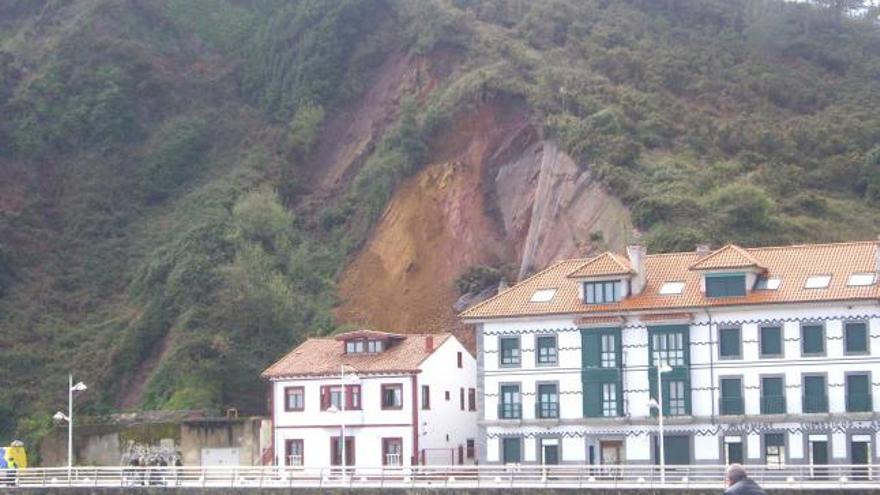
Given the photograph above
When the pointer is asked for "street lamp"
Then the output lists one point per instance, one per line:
(663, 368)
(341, 409)
(60, 416)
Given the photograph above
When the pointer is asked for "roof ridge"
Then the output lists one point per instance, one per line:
(500, 293)
(805, 245)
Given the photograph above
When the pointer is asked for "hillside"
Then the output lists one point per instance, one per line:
(190, 187)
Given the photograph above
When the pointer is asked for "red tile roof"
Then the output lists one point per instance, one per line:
(324, 356)
(791, 264)
(606, 264)
(366, 333)
(728, 257)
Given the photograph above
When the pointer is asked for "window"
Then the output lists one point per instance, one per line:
(511, 402)
(731, 396)
(447, 396)
(771, 341)
(331, 396)
(608, 356)
(765, 283)
(548, 401)
(352, 397)
(426, 397)
(510, 450)
(861, 279)
(336, 451)
(774, 450)
(815, 395)
(856, 337)
(609, 400)
(354, 346)
(374, 346)
(817, 282)
(471, 448)
(294, 399)
(472, 399)
(676, 403)
(772, 395)
(858, 393)
(392, 396)
(459, 360)
(671, 288)
(812, 340)
(726, 285)
(543, 295)
(601, 292)
(546, 346)
(730, 343)
(293, 452)
(510, 355)
(392, 451)
(668, 348)
(461, 398)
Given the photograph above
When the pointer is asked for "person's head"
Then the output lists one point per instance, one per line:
(735, 473)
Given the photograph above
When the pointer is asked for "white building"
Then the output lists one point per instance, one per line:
(409, 399)
(774, 357)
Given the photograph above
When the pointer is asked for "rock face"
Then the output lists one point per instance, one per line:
(495, 194)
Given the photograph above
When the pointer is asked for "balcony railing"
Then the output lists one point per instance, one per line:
(392, 459)
(731, 405)
(294, 460)
(815, 403)
(547, 410)
(772, 404)
(642, 478)
(510, 410)
(859, 403)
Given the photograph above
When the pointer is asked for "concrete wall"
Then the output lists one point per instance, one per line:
(107, 444)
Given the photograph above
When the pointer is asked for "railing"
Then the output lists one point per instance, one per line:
(731, 405)
(858, 403)
(393, 460)
(772, 404)
(510, 410)
(547, 410)
(679, 478)
(815, 403)
(294, 460)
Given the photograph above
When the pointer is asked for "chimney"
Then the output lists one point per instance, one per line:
(637, 254)
(703, 250)
(429, 343)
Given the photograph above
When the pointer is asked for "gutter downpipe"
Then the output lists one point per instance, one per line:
(711, 363)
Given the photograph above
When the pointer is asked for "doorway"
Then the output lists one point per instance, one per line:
(610, 456)
(818, 456)
(860, 453)
(549, 451)
(733, 450)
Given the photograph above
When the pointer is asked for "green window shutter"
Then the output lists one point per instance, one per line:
(858, 393)
(772, 395)
(591, 347)
(731, 396)
(725, 285)
(677, 449)
(814, 398)
(812, 339)
(856, 337)
(730, 342)
(592, 399)
(771, 341)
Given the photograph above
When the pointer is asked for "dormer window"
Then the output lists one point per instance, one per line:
(604, 292)
(726, 285)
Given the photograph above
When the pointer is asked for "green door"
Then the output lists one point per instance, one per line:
(815, 400)
(819, 457)
(772, 395)
(860, 453)
(677, 449)
(731, 396)
(734, 452)
(511, 450)
(858, 393)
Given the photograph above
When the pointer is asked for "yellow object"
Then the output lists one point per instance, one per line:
(16, 455)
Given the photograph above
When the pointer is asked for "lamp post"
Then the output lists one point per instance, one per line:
(60, 416)
(662, 368)
(341, 409)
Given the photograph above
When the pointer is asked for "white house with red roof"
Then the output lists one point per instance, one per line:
(769, 356)
(408, 399)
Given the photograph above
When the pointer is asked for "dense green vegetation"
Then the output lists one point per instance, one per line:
(162, 150)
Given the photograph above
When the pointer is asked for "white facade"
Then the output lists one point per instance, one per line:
(704, 432)
(436, 431)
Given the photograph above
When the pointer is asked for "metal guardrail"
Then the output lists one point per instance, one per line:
(830, 477)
